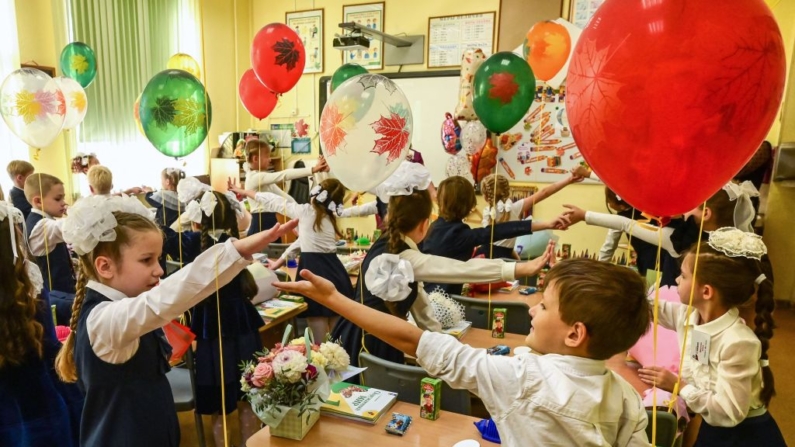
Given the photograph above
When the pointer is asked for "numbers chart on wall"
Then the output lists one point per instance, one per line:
(450, 36)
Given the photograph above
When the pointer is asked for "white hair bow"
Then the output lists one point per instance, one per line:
(315, 190)
(208, 203)
(735, 243)
(235, 204)
(334, 208)
(744, 209)
(322, 196)
(194, 212)
(190, 189)
(16, 216)
(91, 220)
(504, 207)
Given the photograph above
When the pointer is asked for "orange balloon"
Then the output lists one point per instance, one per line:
(137, 116)
(546, 48)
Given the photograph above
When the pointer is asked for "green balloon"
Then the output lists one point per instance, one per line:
(79, 63)
(503, 90)
(175, 112)
(344, 73)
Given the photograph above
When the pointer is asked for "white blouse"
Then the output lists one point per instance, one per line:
(727, 388)
(263, 181)
(46, 227)
(514, 214)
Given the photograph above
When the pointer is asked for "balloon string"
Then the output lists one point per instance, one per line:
(675, 394)
(44, 229)
(217, 285)
(655, 314)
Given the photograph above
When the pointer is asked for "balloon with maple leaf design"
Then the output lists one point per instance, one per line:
(33, 106)
(278, 57)
(256, 98)
(503, 90)
(667, 102)
(365, 130)
(175, 112)
(75, 100)
(79, 63)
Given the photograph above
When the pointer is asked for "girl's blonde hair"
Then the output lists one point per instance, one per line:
(127, 225)
(496, 188)
(173, 175)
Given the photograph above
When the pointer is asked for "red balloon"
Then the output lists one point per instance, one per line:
(278, 57)
(667, 100)
(256, 98)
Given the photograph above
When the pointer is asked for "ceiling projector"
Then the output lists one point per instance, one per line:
(351, 43)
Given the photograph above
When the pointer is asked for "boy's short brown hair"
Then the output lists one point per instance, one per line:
(608, 299)
(456, 198)
(40, 185)
(19, 167)
(100, 178)
(257, 147)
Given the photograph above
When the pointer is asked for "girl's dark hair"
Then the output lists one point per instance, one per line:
(734, 278)
(612, 198)
(722, 209)
(456, 198)
(224, 218)
(336, 194)
(405, 213)
(20, 333)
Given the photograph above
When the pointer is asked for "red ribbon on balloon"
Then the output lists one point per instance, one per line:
(668, 100)
(278, 57)
(256, 98)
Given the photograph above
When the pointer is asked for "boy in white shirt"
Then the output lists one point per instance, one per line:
(565, 396)
(100, 180)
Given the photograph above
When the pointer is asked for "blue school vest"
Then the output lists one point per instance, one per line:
(60, 263)
(129, 404)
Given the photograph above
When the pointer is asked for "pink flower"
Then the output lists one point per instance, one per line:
(297, 348)
(263, 373)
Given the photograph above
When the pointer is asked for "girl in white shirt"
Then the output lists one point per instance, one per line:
(117, 351)
(497, 192)
(726, 376)
(318, 242)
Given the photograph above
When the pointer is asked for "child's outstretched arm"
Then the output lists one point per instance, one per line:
(527, 203)
(393, 330)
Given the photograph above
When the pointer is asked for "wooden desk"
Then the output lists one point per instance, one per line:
(351, 247)
(272, 332)
(332, 431)
(481, 338)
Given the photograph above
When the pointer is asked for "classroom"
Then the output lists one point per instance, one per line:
(489, 183)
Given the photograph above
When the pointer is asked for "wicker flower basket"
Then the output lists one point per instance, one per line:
(293, 426)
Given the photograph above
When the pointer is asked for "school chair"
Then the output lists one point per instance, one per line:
(183, 386)
(405, 381)
(171, 267)
(666, 428)
(274, 251)
(282, 275)
(476, 310)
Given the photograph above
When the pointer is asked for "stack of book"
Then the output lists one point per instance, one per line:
(459, 329)
(357, 402)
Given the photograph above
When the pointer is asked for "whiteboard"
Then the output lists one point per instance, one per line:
(431, 95)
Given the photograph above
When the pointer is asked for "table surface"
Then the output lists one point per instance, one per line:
(449, 429)
(481, 338)
(289, 314)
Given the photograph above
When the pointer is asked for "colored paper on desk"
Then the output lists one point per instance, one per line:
(459, 329)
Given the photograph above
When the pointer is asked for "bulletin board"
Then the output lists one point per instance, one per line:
(450, 36)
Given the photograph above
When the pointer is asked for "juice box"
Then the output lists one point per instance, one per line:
(430, 395)
(498, 315)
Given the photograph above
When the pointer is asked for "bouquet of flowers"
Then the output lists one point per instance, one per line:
(292, 375)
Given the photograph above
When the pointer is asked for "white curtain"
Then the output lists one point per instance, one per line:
(132, 41)
(11, 147)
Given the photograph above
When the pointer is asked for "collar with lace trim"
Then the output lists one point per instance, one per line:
(106, 291)
(717, 325)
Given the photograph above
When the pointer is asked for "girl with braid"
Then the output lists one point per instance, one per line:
(117, 351)
(726, 376)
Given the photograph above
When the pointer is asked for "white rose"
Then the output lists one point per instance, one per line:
(289, 365)
(338, 359)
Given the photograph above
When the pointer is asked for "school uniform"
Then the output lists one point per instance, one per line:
(723, 383)
(318, 248)
(19, 201)
(261, 181)
(541, 400)
(36, 407)
(456, 240)
(167, 206)
(180, 247)
(240, 338)
(503, 248)
(122, 354)
(425, 267)
(56, 266)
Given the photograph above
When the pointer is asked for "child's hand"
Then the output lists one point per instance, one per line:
(231, 183)
(581, 171)
(531, 268)
(659, 377)
(574, 214)
(315, 287)
(277, 264)
(575, 178)
(321, 166)
(561, 222)
(258, 242)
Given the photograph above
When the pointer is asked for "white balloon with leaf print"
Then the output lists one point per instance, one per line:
(76, 101)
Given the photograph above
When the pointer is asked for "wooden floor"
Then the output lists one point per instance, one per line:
(782, 407)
